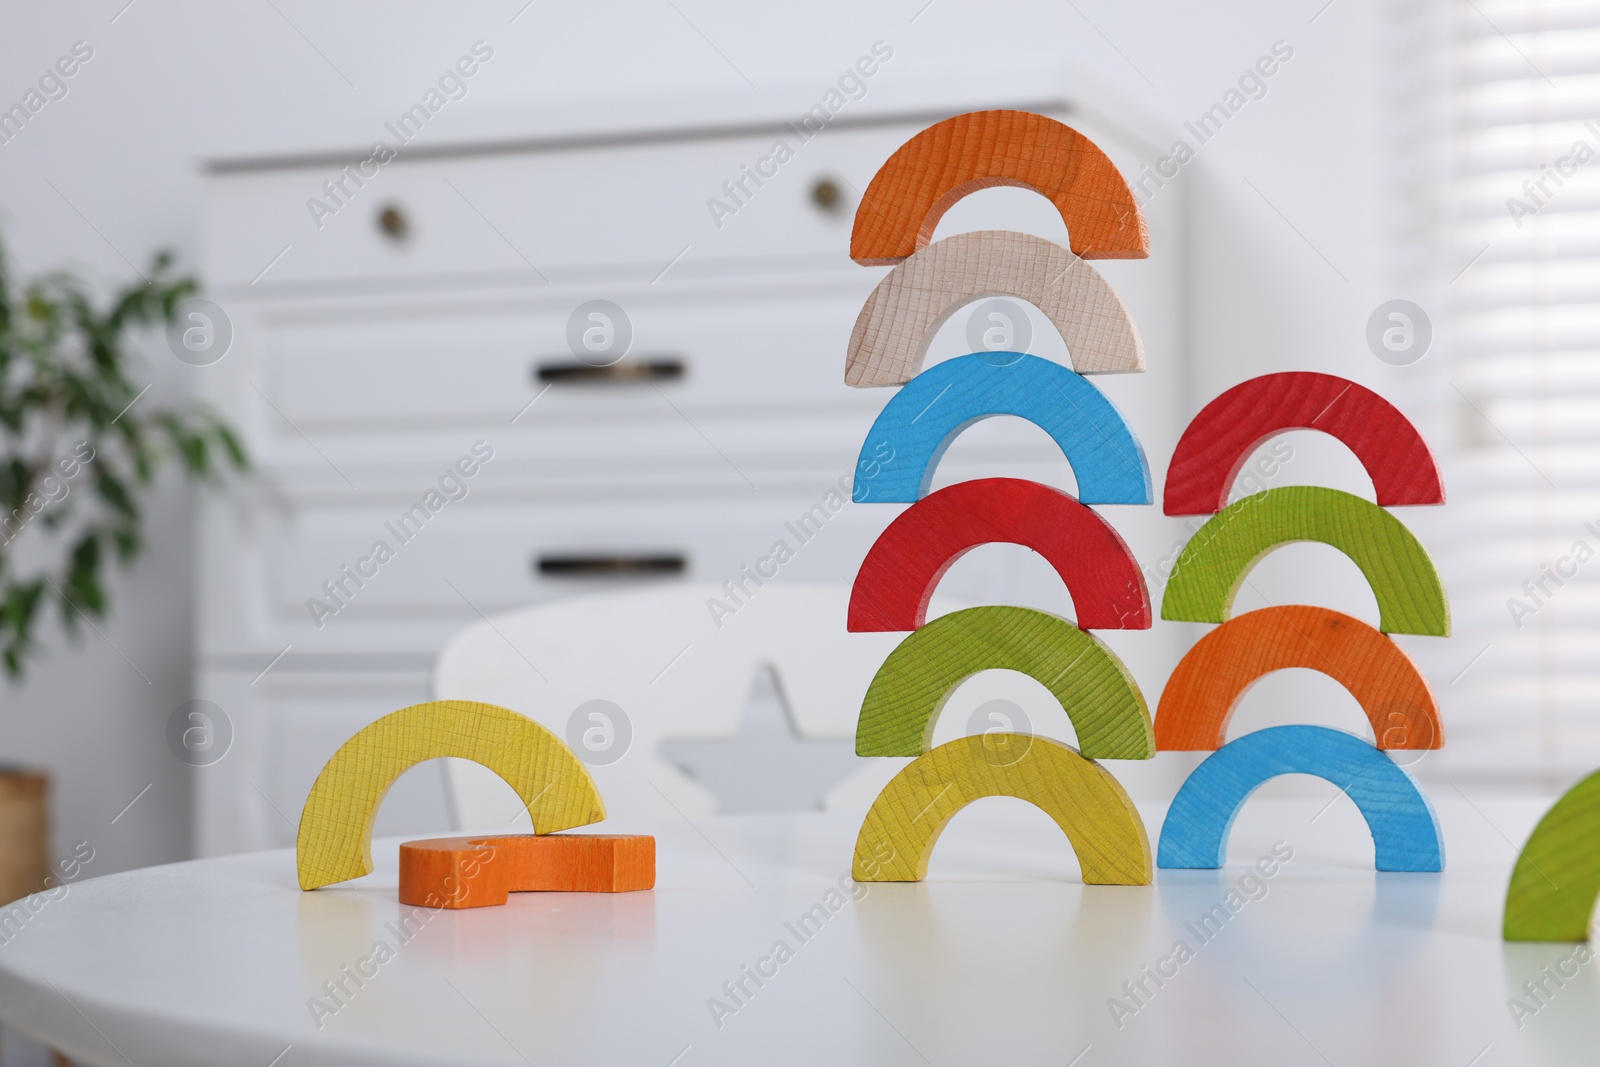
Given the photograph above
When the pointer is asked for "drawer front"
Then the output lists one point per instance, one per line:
(636, 211)
(379, 575)
(349, 392)
(469, 361)
(496, 549)
(628, 209)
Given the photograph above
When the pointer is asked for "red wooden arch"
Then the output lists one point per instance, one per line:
(1216, 444)
(897, 578)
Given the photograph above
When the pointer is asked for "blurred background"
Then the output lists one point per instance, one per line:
(379, 313)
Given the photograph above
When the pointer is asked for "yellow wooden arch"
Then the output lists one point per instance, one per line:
(1089, 805)
(335, 840)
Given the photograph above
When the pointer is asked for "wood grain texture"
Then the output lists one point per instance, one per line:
(1220, 439)
(1218, 558)
(476, 872)
(900, 318)
(1101, 698)
(24, 833)
(335, 839)
(912, 432)
(1405, 833)
(1090, 806)
(981, 149)
(1557, 875)
(1214, 675)
(905, 563)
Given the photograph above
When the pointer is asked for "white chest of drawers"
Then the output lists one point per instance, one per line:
(364, 366)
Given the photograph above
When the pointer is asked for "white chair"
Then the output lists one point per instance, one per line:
(676, 671)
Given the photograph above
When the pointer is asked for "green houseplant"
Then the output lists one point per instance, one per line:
(78, 445)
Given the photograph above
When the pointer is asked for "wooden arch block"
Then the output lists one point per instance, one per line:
(1557, 876)
(1405, 833)
(916, 186)
(1090, 806)
(905, 563)
(1214, 675)
(1219, 439)
(900, 318)
(1101, 698)
(335, 839)
(1219, 556)
(476, 872)
(911, 433)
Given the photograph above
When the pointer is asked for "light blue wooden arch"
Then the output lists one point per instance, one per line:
(910, 435)
(1405, 832)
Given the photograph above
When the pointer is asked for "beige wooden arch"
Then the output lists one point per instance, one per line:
(899, 319)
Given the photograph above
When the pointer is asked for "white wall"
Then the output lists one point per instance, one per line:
(172, 80)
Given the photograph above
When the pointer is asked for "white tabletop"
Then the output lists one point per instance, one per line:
(1000, 957)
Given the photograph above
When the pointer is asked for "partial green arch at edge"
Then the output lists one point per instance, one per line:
(1556, 880)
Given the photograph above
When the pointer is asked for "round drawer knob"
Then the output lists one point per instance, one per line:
(393, 223)
(827, 196)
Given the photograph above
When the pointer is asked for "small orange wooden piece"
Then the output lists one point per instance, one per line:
(926, 175)
(476, 872)
(1214, 675)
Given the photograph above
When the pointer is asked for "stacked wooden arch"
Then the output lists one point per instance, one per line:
(1213, 676)
(930, 282)
(894, 225)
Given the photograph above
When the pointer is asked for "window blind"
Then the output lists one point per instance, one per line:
(1515, 154)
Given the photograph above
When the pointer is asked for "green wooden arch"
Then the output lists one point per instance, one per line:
(1557, 877)
(1101, 698)
(1217, 559)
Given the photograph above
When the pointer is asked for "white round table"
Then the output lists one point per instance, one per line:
(755, 948)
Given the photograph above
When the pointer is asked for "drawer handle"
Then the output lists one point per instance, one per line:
(621, 565)
(666, 369)
(827, 196)
(393, 223)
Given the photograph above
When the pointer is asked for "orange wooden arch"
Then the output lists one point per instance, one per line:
(1210, 680)
(981, 149)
